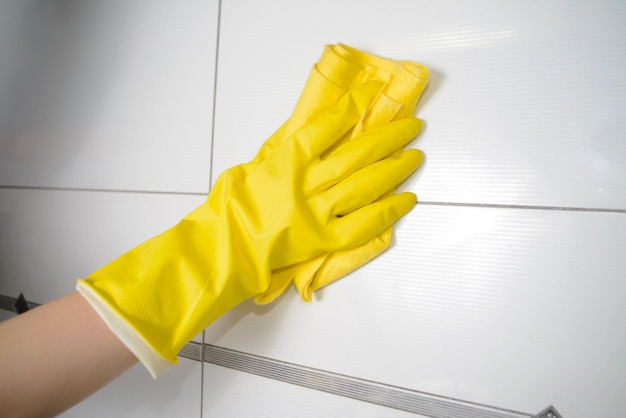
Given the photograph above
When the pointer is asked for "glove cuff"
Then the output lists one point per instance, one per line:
(151, 359)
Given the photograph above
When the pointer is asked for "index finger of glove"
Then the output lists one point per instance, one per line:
(371, 182)
(334, 122)
(360, 152)
(364, 224)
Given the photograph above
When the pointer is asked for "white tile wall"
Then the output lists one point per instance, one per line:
(503, 306)
(508, 306)
(107, 95)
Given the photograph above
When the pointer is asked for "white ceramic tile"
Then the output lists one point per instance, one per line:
(136, 395)
(113, 95)
(48, 239)
(525, 104)
(228, 393)
(510, 308)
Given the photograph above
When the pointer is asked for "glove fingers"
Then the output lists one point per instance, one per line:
(371, 182)
(365, 223)
(333, 123)
(360, 152)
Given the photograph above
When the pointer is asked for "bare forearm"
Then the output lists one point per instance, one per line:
(56, 355)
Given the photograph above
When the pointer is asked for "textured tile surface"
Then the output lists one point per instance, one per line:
(510, 308)
(524, 105)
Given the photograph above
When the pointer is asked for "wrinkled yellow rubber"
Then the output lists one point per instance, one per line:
(341, 68)
(298, 202)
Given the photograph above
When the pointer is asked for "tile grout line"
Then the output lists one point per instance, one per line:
(95, 190)
(522, 207)
(215, 76)
(211, 148)
(419, 202)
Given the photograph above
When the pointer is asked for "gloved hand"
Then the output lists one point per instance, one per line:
(295, 204)
(341, 68)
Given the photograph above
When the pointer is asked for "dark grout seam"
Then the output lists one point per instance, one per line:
(211, 153)
(419, 202)
(528, 207)
(95, 190)
(216, 69)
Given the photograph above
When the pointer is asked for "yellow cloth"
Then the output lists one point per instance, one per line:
(341, 68)
(298, 202)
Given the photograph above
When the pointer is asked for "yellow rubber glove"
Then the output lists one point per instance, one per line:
(340, 69)
(298, 203)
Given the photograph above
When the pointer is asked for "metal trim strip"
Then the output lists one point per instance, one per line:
(382, 394)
